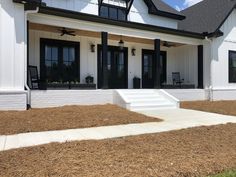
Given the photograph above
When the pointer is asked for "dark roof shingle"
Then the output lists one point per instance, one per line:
(206, 16)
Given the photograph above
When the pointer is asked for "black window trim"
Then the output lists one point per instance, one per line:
(229, 66)
(60, 43)
(115, 7)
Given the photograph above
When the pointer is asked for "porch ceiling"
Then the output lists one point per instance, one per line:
(78, 32)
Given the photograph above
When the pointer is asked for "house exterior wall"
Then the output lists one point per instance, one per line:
(13, 50)
(138, 12)
(12, 56)
(12, 42)
(207, 53)
(181, 59)
(55, 98)
(222, 89)
(189, 94)
(13, 100)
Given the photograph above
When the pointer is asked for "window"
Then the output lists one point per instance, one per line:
(113, 12)
(59, 61)
(232, 66)
(104, 11)
(51, 62)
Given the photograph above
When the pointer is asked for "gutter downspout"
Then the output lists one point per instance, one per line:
(211, 66)
(25, 51)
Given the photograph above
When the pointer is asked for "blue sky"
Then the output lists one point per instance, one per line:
(181, 4)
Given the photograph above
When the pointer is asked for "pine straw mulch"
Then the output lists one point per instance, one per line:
(67, 117)
(220, 107)
(191, 152)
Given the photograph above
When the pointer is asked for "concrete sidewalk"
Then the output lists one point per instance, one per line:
(174, 119)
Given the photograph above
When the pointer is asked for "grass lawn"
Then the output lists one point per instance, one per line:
(226, 174)
(195, 152)
(68, 117)
(221, 107)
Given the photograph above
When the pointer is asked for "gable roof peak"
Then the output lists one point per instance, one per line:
(206, 16)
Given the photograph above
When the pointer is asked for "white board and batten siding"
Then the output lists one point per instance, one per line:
(183, 59)
(222, 89)
(12, 55)
(138, 12)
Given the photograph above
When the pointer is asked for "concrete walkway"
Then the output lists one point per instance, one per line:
(174, 119)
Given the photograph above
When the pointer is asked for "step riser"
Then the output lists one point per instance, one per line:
(153, 108)
(143, 96)
(150, 106)
(145, 99)
(150, 102)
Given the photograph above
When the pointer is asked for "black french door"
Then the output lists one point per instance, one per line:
(117, 66)
(148, 68)
(59, 62)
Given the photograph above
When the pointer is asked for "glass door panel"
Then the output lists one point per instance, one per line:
(147, 71)
(52, 63)
(117, 67)
(148, 68)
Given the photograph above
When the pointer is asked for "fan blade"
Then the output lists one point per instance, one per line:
(71, 31)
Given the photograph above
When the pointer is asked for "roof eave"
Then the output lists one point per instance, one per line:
(128, 24)
(30, 2)
(215, 34)
(167, 14)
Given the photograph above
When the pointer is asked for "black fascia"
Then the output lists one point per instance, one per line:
(128, 24)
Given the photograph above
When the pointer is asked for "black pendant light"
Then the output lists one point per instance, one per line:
(121, 43)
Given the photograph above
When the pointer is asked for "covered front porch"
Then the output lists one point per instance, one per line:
(92, 56)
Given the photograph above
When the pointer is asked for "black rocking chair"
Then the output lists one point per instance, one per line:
(33, 77)
(176, 79)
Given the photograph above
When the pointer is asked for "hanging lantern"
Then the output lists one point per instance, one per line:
(121, 43)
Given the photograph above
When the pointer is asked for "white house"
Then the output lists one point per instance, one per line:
(63, 52)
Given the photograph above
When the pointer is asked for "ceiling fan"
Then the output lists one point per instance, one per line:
(168, 44)
(65, 31)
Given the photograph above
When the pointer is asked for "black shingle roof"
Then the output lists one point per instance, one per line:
(206, 16)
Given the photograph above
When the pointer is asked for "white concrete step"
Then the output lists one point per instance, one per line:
(145, 99)
(152, 107)
(143, 96)
(138, 90)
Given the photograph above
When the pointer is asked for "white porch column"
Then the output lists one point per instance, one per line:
(12, 55)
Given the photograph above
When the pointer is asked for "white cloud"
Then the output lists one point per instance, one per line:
(188, 3)
(178, 8)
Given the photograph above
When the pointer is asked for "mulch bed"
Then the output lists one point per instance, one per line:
(68, 117)
(220, 107)
(192, 152)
